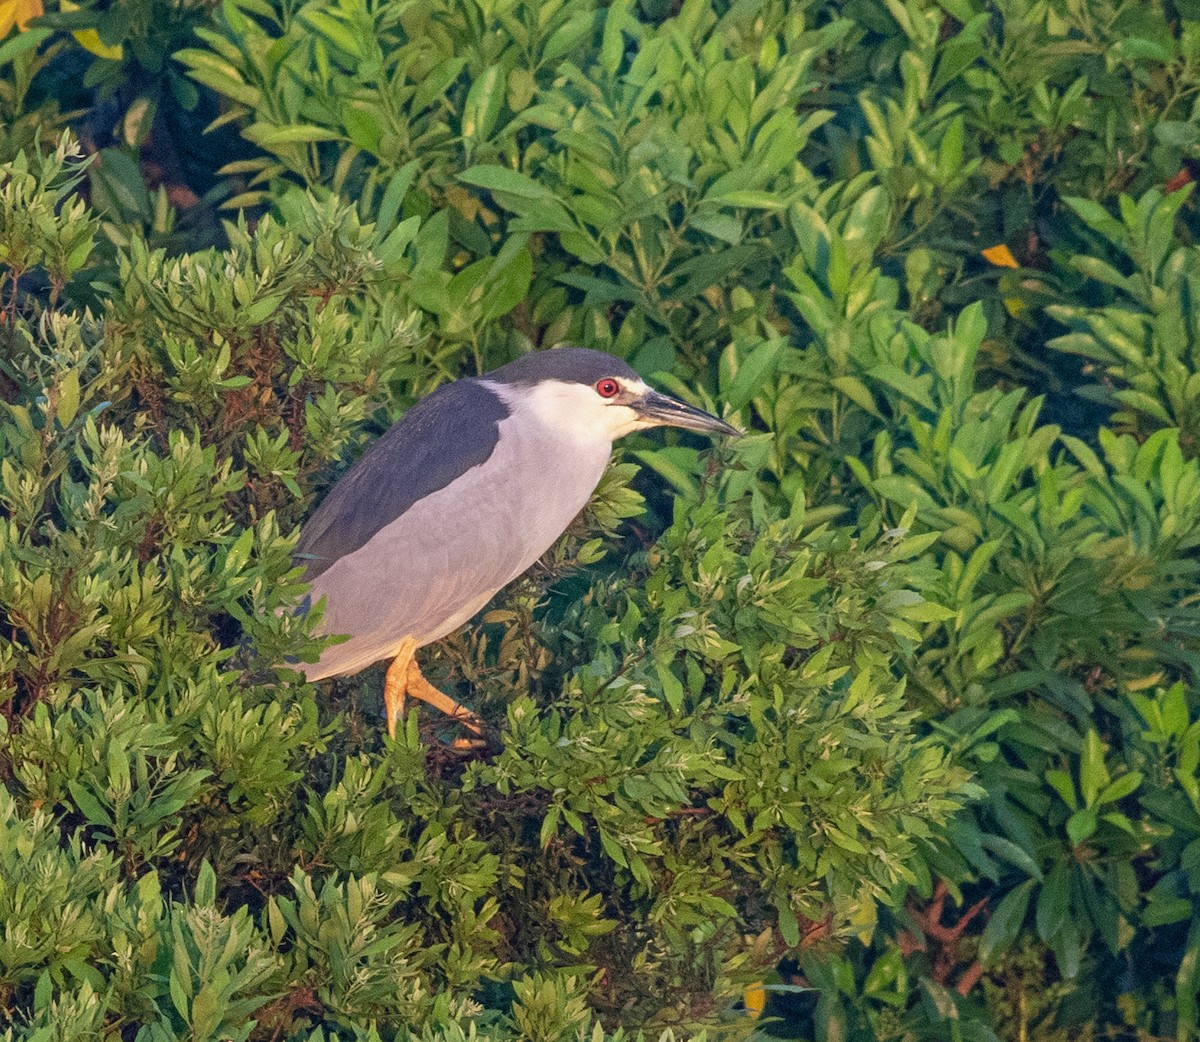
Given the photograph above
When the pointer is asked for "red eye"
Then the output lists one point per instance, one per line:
(607, 388)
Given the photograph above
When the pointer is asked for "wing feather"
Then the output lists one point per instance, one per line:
(438, 440)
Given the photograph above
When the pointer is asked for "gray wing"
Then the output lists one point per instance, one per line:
(439, 439)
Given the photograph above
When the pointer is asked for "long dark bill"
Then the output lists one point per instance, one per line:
(666, 411)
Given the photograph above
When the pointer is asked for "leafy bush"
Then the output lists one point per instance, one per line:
(889, 705)
(151, 459)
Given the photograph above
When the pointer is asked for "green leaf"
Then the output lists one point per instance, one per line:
(752, 373)
(362, 128)
(139, 120)
(1067, 946)
(1060, 782)
(1167, 911)
(1054, 902)
(844, 840)
(506, 287)
(789, 925)
(1175, 715)
(1119, 789)
(392, 248)
(1176, 133)
(568, 36)
(502, 179)
(29, 40)
(485, 99)
(549, 826)
(332, 29)
(1081, 825)
(88, 805)
(672, 688)
(723, 226)
(676, 464)
(927, 611)
(206, 885)
(43, 992)
(747, 199)
(1135, 47)
(612, 848)
(68, 398)
(612, 47)
(1013, 854)
(857, 392)
(1093, 774)
(950, 151)
(1006, 922)
(263, 309)
(913, 388)
(296, 133)
(394, 194)
(1187, 985)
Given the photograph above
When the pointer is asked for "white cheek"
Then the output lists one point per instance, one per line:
(575, 411)
(626, 421)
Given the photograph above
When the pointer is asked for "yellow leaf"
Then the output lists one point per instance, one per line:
(864, 918)
(754, 998)
(19, 13)
(90, 40)
(999, 256)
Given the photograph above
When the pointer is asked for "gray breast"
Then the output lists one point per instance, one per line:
(427, 571)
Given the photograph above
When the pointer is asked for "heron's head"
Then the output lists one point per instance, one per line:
(594, 395)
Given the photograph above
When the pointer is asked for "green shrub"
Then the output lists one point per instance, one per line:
(740, 701)
(732, 716)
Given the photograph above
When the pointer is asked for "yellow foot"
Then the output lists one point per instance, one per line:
(404, 680)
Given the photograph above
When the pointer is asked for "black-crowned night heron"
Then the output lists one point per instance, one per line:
(460, 497)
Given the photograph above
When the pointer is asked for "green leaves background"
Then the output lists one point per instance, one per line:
(889, 704)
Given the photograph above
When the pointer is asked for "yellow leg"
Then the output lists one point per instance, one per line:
(404, 680)
(395, 686)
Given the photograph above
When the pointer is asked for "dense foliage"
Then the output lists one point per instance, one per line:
(891, 704)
